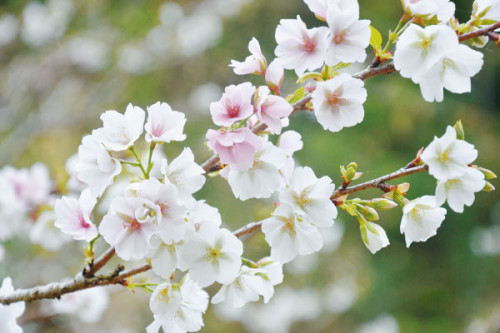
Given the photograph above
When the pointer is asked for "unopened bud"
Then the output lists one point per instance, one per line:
(488, 187)
(488, 174)
(460, 130)
(368, 212)
(381, 203)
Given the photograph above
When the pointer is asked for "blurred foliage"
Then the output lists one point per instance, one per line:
(437, 286)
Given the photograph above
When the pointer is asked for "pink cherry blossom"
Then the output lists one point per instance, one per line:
(274, 76)
(271, 109)
(73, 216)
(300, 48)
(235, 104)
(164, 125)
(255, 63)
(237, 147)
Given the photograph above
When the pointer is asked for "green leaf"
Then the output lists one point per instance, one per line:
(375, 39)
(297, 95)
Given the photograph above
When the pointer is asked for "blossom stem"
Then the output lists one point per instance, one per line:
(96, 265)
(139, 164)
(150, 165)
(480, 32)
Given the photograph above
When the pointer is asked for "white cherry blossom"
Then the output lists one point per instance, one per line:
(460, 191)
(348, 37)
(320, 7)
(46, 234)
(178, 308)
(310, 196)
(120, 131)
(163, 124)
(374, 236)
(128, 228)
(448, 157)
(255, 63)
(246, 287)
(452, 71)
(493, 12)
(443, 9)
(274, 76)
(421, 219)
(10, 313)
(289, 234)
(338, 102)
(289, 142)
(95, 167)
(73, 216)
(184, 174)
(212, 254)
(262, 179)
(165, 258)
(300, 48)
(201, 213)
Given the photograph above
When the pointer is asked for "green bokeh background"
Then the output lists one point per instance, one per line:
(437, 286)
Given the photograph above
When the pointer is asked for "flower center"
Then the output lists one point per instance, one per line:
(309, 46)
(333, 99)
(134, 225)
(213, 254)
(416, 213)
(444, 156)
(339, 38)
(158, 130)
(426, 42)
(233, 111)
(83, 223)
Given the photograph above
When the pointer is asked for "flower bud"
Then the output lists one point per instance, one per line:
(488, 174)
(460, 130)
(381, 203)
(488, 187)
(368, 213)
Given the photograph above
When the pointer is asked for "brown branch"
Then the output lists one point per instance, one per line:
(96, 265)
(247, 229)
(480, 32)
(56, 290)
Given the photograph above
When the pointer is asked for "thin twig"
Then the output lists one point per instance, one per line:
(480, 32)
(96, 265)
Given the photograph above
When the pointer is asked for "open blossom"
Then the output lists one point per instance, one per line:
(73, 216)
(275, 74)
(184, 174)
(320, 7)
(128, 227)
(374, 236)
(310, 196)
(165, 258)
(95, 167)
(443, 9)
(255, 63)
(178, 308)
(236, 148)
(338, 102)
(202, 213)
(418, 49)
(120, 131)
(421, 219)
(289, 234)
(10, 313)
(448, 157)
(300, 48)
(246, 287)
(289, 142)
(348, 37)
(452, 72)
(46, 234)
(271, 109)
(235, 104)
(213, 254)
(494, 9)
(460, 191)
(164, 125)
(262, 179)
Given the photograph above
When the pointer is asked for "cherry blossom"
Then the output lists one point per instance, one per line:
(493, 12)
(338, 102)
(201, 213)
(270, 109)
(95, 167)
(163, 124)
(246, 287)
(453, 72)
(10, 313)
(448, 157)
(46, 234)
(178, 308)
(120, 131)
(128, 227)
(443, 9)
(289, 142)
(374, 236)
(300, 48)
(310, 196)
(289, 234)
(255, 63)
(236, 148)
(213, 254)
(184, 174)
(421, 219)
(418, 49)
(235, 104)
(166, 259)
(320, 7)
(73, 216)
(460, 191)
(274, 76)
(348, 37)
(262, 179)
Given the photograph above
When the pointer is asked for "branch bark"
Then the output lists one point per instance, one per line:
(481, 32)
